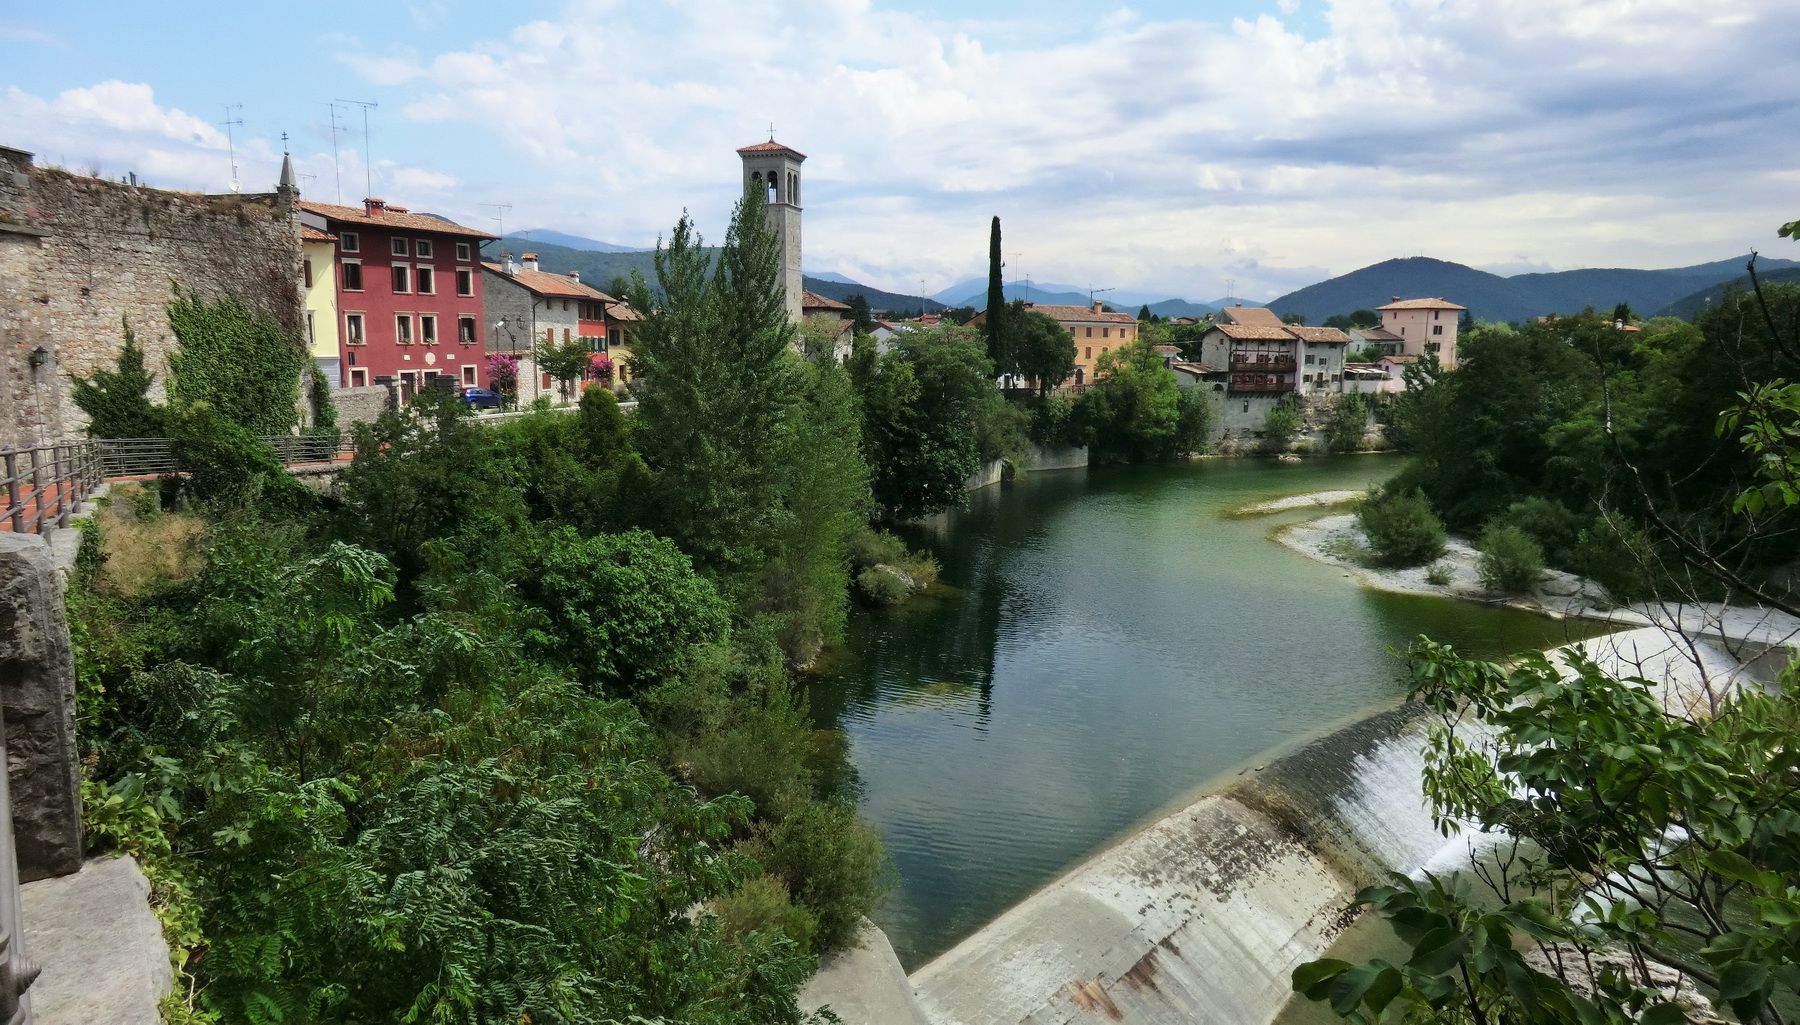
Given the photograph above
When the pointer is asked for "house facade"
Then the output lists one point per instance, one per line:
(1094, 330)
(525, 307)
(408, 295)
(318, 288)
(1420, 326)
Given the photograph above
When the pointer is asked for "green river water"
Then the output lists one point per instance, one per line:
(1106, 644)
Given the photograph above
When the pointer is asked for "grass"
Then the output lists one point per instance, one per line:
(1346, 550)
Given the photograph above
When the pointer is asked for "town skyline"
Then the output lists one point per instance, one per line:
(1274, 144)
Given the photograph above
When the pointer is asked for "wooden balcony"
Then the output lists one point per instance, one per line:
(1260, 383)
(1262, 363)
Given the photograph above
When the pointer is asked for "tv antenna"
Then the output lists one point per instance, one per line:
(230, 142)
(1027, 282)
(499, 216)
(1230, 289)
(337, 173)
(1091, 292)
(368, 162)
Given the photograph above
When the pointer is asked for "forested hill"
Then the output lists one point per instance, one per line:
(1517, 298)
(598, 269)
(878, 299)
(1767, 271)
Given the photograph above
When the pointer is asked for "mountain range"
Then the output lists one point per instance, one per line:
(1679, 291)
(1520, 297)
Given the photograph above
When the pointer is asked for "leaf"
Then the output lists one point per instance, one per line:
(1310, 978)
(1438, 951)
(1664, 1014)
(1733, 865)
(1385, 988)
(1741, 979)
(1348, 989)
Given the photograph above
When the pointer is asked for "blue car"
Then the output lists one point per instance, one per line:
(481, 398)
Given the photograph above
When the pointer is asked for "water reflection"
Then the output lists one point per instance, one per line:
(1106, 642)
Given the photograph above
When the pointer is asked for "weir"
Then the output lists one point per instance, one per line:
(1203, 915)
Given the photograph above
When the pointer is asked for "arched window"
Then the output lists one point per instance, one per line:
(1080, 377)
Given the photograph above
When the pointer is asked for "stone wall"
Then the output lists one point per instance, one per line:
(361, 405)
(78, 254)
(37, 705)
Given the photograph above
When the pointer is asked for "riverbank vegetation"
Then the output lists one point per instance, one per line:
(1607, 447)
(1648, 866)
(507, 729)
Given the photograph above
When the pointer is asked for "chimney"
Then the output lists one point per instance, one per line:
(531, 263)
(1395, 299)
(1098, 306)
(575, 276)
(374, 207)
(507, 264)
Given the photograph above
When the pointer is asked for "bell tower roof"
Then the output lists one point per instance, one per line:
(772, 147)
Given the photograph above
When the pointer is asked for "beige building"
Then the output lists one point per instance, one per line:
(1414, 327)
(1095, 332)
(318, 285)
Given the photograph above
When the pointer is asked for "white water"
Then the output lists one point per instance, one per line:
(1203, 915)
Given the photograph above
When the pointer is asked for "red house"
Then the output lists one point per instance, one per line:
(408, 294)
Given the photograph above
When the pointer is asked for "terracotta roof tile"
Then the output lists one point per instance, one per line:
(1421, 304)
(546, 283)
(1378, 334)
(771, 147)
(1251, 315)
(1196, 368)
(1079, 314)
(312, 234)
(815, 301)
(1317, 334)
(391, 219)
(1255, 332)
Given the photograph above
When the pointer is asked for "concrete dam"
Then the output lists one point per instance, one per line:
(1202, 915)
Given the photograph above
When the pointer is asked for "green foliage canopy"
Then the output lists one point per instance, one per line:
(117, 401)
(238, 360)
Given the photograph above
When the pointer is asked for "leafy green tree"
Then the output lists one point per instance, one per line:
(1667, 837)
(1045, 352)
(820, 335)
(803, 587)
(924, 406)
(226, 466)
(239, 361)
(722, 393)
(1293, 318)
(1134, 409)
(1144, 315)
(621, 610)
(860, 317)
(565, 362)
(117, 402)
(1348, 423)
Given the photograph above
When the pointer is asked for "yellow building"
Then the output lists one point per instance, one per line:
(1094, 330)
(318, 285)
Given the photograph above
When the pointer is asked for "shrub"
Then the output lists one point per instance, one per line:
(1510, 560)
(883, 585)
(870, 547)
(833, 865)
(1550, 523)
(622, 609)
(1402, 529)
(1348, 424)
(762, 905)
(1280, 424)
(1439, 575)
(226, 465)
(117, 402)
(1194, 419)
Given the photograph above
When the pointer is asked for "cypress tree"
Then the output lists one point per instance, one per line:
(997, 333)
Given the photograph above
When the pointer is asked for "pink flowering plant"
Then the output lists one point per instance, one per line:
(503, 373)
(600, 366)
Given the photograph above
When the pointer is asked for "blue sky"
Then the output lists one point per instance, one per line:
(1164, 146)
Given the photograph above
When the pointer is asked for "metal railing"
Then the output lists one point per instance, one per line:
(46, 484)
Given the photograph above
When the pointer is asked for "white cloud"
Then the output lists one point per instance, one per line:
(1471, 131)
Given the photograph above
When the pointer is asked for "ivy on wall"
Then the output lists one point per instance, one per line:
(242, 362)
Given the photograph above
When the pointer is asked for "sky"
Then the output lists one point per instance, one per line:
(1181, 147)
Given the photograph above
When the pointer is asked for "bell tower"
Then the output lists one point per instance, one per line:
(775, 170)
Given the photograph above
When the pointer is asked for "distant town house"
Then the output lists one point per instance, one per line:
(409, 295)
(1095, 330)
(526, 306)
(1416, 327)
